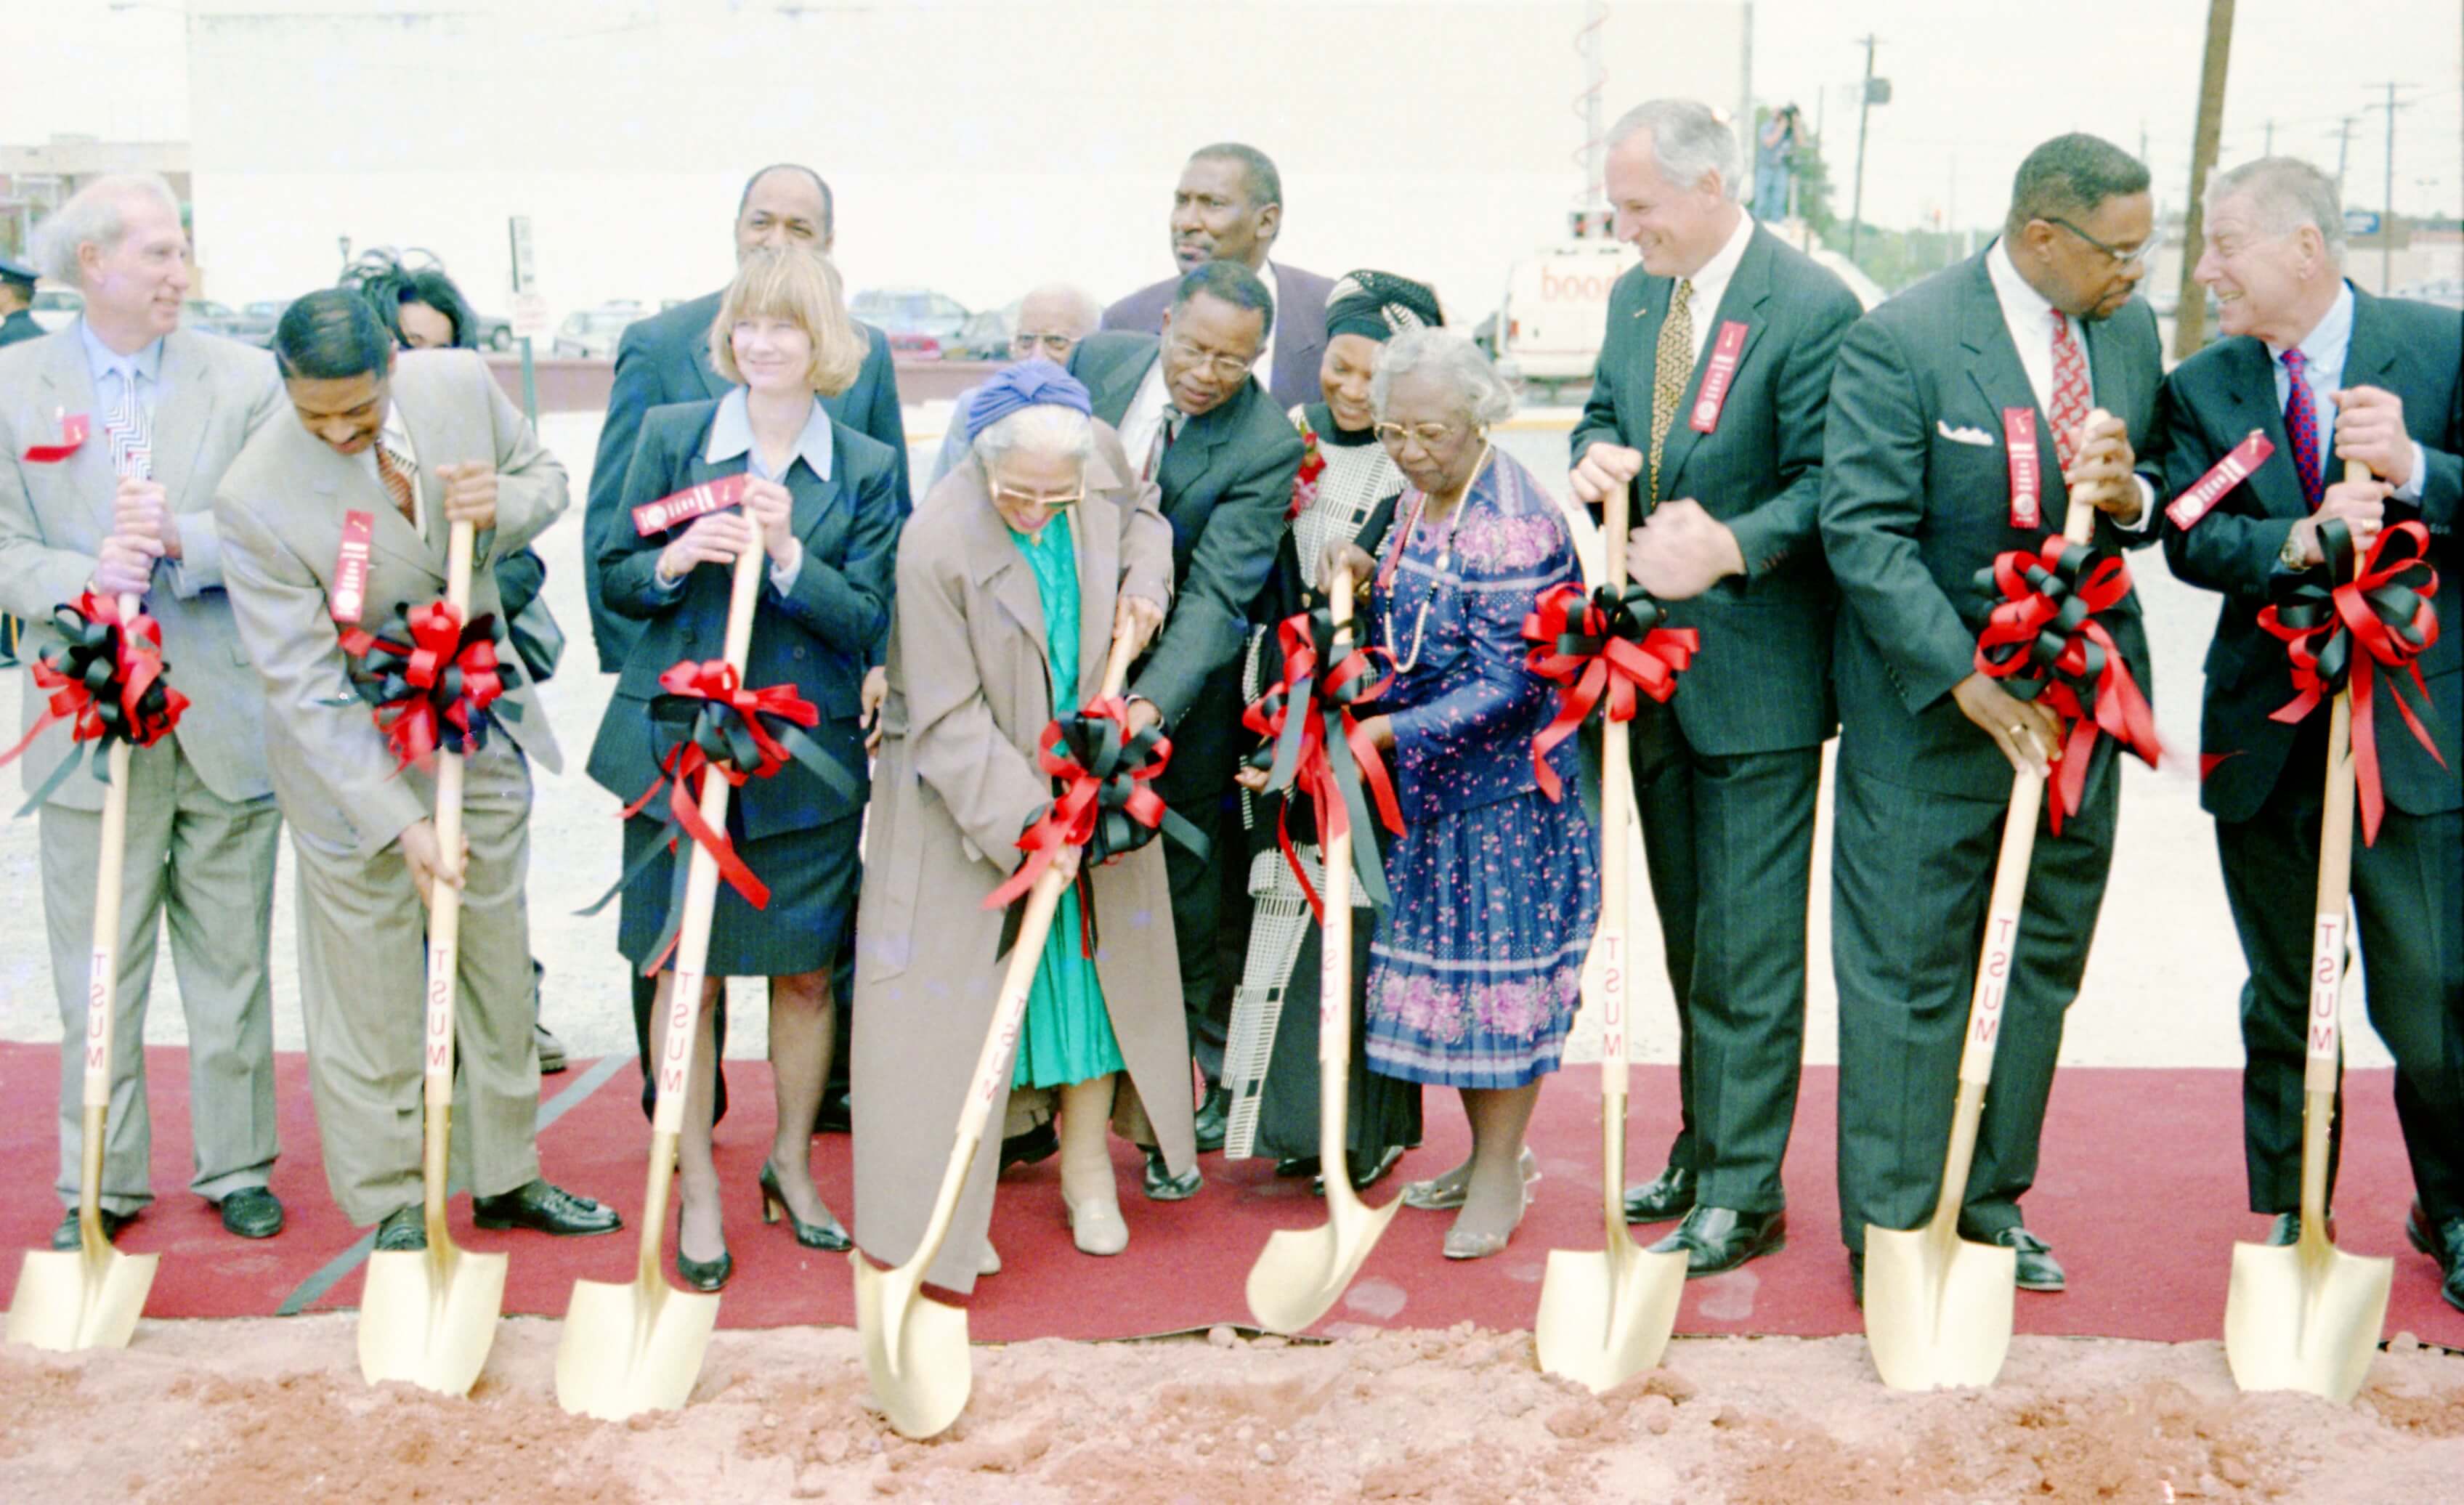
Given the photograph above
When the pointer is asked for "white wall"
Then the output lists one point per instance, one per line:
(974, 148)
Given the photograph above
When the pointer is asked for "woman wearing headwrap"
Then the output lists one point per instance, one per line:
(1346, 490)
(1014, 577)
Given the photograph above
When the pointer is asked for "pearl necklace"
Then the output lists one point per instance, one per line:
(1445, 559)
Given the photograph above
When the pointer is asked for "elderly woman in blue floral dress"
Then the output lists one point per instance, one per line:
(1475, 973)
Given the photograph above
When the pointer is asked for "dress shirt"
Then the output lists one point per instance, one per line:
(2324, 352)
(1711, 284)
(731, 434)
(1266, 361)
(1144, 415)
(2028, 317)
(146, 366)
(397, 438)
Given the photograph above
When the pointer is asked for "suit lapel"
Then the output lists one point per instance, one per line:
(349, 486)
(433, 448)
(1748, 287)
(1192, 453)
(2370, 356)
(2249, 377)
(181, 417)
(2003, 381)
(68, 391)
(998, 566)
(1119, 387)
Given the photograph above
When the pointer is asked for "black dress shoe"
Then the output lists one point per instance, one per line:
(545, 1209)
(2447, 1249)
(705, 1275)
(1039, 1143)
(404, 1231)
(1365, 1173)
(1214, 1117)
(2286, 1230)
(1717, 1240)
(1669, 1194)
(251, 1212)
(2037, 1268)
(1160, 1185)
(65, 1237)
(1296, 1166)
(828, 1233)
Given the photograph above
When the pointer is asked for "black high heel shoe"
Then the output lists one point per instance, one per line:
(704, 1275)
(823, 1235)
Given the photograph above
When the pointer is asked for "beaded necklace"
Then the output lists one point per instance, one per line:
(1445, 559)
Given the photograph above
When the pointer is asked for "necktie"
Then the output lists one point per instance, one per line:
(1166, 432)
(396, 470)
(132, 447)
(2070, 391)
(2302, 428)
(1672, 365)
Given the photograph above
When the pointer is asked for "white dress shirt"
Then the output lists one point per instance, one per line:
(1144, 415)
(2029, 316)
(1265, 365)
(2324, 350)
(1711, 283)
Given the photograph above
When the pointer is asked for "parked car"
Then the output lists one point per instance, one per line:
(918, 322)
(2445, 291)
(494, 332)
(57, 307)
(591, 334)
(256, 321)
(985, 335)
(208, 316)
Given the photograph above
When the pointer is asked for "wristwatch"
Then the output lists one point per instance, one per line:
(2292, 556)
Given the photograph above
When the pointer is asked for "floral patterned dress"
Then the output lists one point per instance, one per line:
(1476, 970)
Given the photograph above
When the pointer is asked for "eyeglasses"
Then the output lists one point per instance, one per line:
(1428, 435)
(1019, 499)
(1024, 345)
(2121, 258)
(1231, 368)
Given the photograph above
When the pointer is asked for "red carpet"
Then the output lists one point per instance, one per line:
(2142, 1196)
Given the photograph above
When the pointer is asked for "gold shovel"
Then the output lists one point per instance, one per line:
(638, 1346)
(429, 1316)
(2308, 1317)
(1606, 1316)
(915, 1347)
(1938, 1307)
(1302, 1271)
(90, 1297)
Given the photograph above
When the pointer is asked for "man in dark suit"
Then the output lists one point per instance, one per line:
(2355, 378)
(1931, 392)
(1229, 206)
(664, 359)
(1713, 381)
(17, 300)
(1223, 455)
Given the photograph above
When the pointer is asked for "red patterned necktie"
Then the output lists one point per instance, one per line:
(2302, 428)
(2070, 391)
(392, 470)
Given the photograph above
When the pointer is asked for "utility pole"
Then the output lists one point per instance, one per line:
(2386, 204)
(2269, 150)
(2191, 309)
(2343, 146)
(1864, 108)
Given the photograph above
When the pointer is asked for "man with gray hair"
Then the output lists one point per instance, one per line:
(1052, 320)
(116, 430)
(2314, 374)
(1718, 437)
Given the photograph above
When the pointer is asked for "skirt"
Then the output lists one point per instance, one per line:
(813, 876)
(1476, 973)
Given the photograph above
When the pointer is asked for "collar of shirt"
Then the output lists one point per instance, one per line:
(1711, 283)
(101, 360)
(393, 435)
(731, 434)
(2029, 316)
(2324, 350)
(1144, 415)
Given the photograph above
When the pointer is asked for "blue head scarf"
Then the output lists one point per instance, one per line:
(1022, 385)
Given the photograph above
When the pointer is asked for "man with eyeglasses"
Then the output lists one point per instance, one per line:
(1959, 429)
(1192, 420)
(1052, 320)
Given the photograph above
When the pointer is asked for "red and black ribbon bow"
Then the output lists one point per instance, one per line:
(107, 684)
(1316, 749)
(2387, 607)
(1609, 644)
(1104, 803)
(2044, 644)
(719, 727)
(434, 680)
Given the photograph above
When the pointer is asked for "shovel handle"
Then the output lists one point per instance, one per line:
(1617, 798)
(443, 938)
(102, 982)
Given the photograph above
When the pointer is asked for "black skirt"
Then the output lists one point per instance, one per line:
(813, 876)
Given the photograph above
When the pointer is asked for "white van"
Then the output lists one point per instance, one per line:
(1556, 309)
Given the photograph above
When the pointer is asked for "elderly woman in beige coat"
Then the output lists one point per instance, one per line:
(1046, 520)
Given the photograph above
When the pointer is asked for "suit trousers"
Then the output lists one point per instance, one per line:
(363, 965)
(1729, 845)
(1210, 906)
(205, 865)
(2406, 889)
(1911, 874)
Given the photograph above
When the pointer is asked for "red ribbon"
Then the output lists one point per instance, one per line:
(107, 684)
(432, 679)
(1609, 644)
(2387, 606)
(2044, 640)
(1295, 715)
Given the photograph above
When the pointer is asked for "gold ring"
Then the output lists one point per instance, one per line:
(2018, 731)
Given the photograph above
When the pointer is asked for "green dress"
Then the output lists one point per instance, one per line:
(1067, 1036)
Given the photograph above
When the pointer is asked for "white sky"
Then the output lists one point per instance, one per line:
(1975, 82)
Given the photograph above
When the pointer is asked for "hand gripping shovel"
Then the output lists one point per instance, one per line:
(90, 1297)
(1605, 1317)
(1302, 1270)
(2308, 1317)
(429, 1316)
(915, 1347)
(1938, 1307)
(638, 1346)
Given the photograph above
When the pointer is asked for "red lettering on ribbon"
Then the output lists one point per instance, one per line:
(683, 506)
(1714, 395)
(349, 596)
(2239, 465)
(2027, 468)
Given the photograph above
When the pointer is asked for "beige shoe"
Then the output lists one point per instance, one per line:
(1096, 1228)
(988, 1260)
(1445, 1194)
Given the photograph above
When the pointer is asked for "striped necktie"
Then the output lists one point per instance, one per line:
(124, 428)
(399, 472)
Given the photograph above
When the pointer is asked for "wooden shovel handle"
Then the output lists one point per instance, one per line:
(102, 986)
(2330, 924)
(1610, 966)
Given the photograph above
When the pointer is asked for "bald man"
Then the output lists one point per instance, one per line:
(1052, 320)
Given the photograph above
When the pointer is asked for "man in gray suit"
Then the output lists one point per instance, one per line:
(202, 822)
(403, 449)
(1932, 395)
(1713, 382)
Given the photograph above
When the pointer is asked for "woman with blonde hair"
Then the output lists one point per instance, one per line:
(822, 500)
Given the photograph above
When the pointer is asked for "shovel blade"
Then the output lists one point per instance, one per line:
(67, 1301)
(427, 1325)
(2304, 1323)
(1937, 1310)
(1605, 1316)
(1302, 1272)
(631, 1349)
(914, 1350)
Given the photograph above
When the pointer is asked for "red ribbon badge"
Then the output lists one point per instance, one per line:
(349, 596)
(683, 506)
(1714, 395)
(1343, 776)
(1610, 643)
(2236, 468)
(2044, 643)
(2027, 468)
(75, 428)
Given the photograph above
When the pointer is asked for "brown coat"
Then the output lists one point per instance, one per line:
(956, 783)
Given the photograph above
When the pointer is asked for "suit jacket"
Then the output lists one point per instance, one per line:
(1298, 331)
(1227, 481)
(1909, 515)
(2211, 402)
(969, 693)
(54, 518)
(281, 506)
(665, 358)
(1762, 681)
(818, 636)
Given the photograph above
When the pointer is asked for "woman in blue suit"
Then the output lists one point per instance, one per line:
(821, 498)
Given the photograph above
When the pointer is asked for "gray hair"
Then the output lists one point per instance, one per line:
(1445, 356)
(94, 216)
(2286, 194)
(1043, 429)
(1086, 314)
(1688, 139)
